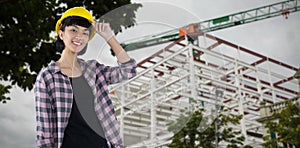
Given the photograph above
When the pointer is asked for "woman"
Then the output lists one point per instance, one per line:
(73, 108)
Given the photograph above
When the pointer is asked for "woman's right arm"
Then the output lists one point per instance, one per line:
(44, 117)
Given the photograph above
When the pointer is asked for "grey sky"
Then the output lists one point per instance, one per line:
(277, 38)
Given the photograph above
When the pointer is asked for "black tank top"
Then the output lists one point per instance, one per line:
(84, 129)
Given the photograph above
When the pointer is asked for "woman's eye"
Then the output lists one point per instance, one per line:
(73, 30)
(86, 33)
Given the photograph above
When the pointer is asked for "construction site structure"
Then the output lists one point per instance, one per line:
(267, 111)
(199, 70)
(167, 80)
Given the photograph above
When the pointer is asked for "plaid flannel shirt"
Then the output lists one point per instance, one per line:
(54, 98)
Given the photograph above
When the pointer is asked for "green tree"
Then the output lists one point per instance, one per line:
(285, 128)
(25, 27)
(199, 132)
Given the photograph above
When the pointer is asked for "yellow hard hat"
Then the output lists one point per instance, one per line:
(76, 11)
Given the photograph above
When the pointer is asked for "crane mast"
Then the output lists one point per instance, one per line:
(195, 29)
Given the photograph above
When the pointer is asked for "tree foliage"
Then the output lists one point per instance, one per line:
(25, 27)
(199, 132)
(286, 127)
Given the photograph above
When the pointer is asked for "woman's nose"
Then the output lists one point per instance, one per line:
(78, 36)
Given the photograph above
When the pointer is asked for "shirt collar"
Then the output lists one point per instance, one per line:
(53, 67)
(82, 63)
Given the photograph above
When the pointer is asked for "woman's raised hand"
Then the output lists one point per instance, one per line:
(104, 30)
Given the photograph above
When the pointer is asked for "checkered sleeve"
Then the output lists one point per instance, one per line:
(44, 115)
(124, 71)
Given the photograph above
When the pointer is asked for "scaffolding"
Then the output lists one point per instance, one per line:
(184, 76)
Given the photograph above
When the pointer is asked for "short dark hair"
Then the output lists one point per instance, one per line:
(70, 21)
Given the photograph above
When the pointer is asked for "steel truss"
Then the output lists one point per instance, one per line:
(185, 76)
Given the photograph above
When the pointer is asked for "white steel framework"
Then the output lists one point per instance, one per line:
(183, 76)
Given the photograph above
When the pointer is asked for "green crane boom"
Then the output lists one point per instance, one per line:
(282, 8)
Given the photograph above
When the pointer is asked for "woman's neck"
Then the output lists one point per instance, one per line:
(68, 59)
(68, 64)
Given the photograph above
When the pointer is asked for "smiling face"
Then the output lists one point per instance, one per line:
(75, 37)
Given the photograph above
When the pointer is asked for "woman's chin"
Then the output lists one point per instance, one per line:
(77, 50)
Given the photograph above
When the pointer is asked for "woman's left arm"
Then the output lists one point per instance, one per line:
(127, 66)
(119, 51)
(124, 71)
(104, 30)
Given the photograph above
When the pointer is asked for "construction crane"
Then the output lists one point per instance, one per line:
(193, 30)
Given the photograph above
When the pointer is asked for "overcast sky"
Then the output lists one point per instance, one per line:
(277, 38)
